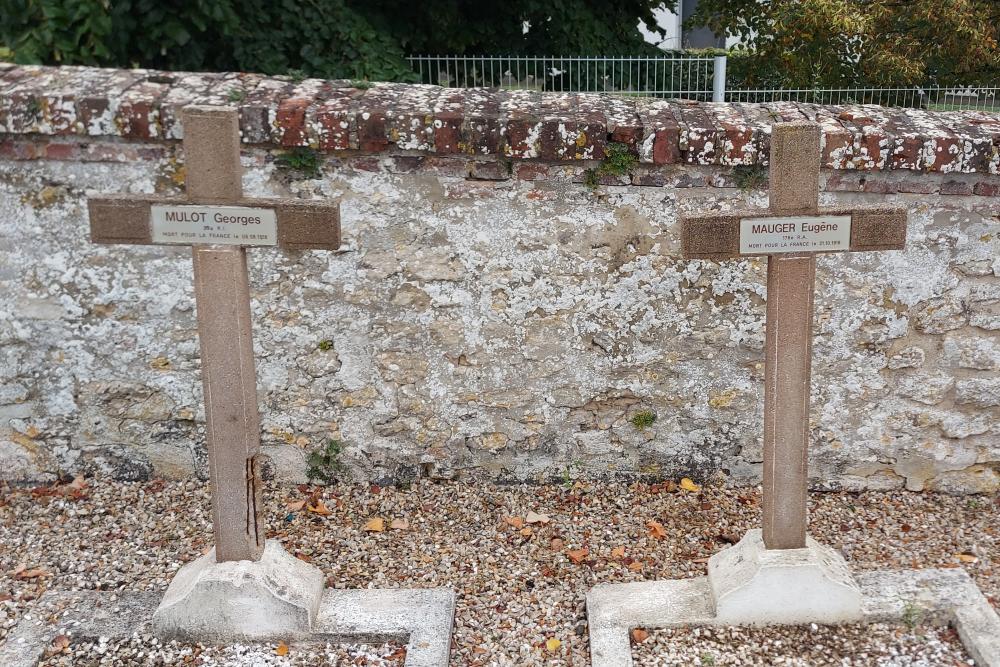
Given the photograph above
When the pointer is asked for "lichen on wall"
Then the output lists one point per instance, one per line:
(503, 328)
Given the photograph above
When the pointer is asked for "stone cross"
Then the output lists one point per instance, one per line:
(790, 232)
(219, 223)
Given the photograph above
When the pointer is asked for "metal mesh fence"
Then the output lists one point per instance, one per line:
(933, 98)
(688, 77)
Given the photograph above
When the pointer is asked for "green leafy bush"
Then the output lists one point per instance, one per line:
(644, 419)
(306, 162)
(352, 39)
(618, 161)
(323, 464)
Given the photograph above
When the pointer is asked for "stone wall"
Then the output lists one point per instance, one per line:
(507, 302)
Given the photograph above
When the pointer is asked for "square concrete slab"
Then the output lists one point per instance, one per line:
(420, 617)
(934, 596)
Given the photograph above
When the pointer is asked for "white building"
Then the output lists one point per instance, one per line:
(677, 38)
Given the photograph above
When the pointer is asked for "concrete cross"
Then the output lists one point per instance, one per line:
(219, 223)
(790, 232)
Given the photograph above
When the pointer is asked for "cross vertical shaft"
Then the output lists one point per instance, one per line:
(795, 165)
(222, 301)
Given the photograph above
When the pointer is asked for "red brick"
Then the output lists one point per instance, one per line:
(489, 171)
(404, 164)
(372, 131)
(871, 153)
(943, 153)
(845, 181)
(661, 132)
(290, 122)
(12, 149)
(956, 188)
(531, 171)
(920, 186)
(877, 185)
(649, 179)
(366, 163)
(62, 151)
(448, 133)
(699, 136)
(136, 116)
(256, 109)
(987, 189)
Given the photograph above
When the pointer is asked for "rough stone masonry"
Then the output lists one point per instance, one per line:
(496, 309)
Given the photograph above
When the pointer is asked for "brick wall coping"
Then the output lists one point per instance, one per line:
(338, 115)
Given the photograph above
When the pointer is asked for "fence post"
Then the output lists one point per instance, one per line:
(719, 79)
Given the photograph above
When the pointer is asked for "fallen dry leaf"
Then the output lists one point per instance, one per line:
(553, 644)
(281, 649)
(670, 486)
(375, 525)
(536, 518)
(515, 521)
(295, 506)
(967, 558)
(656, 529)
(21, 572)
(319, 508)
(160, 364)
(636, 566)
(557, 543)
(578, 555)
(639, 635)
(60, 643)
(398, 655)
(688, 485)
(618, 552)
(399, 524)
(526, 532)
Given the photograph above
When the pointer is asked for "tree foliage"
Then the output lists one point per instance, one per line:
(830, 43)
(328, 38)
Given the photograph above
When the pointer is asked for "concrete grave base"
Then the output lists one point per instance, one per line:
(754, 585)
(904, 596)
(279, 598)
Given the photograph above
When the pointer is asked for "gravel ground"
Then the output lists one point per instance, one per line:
(521, 578)
(802, 646)
(145, 649)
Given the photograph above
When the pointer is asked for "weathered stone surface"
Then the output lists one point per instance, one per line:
(977, 352)
(941, 315)
(456, 311)
(908, 357)
(959, 425)
(982, 393)
(928, 389)
(984, 309)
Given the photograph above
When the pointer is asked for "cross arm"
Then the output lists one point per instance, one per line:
(302, 224)
(718, 236)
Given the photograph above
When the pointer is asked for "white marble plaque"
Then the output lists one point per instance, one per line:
(213, 225)
(817, 233)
